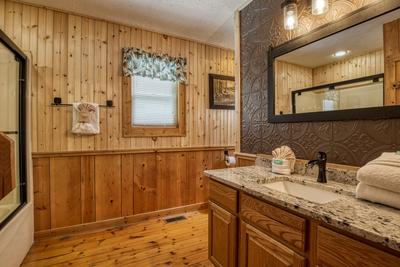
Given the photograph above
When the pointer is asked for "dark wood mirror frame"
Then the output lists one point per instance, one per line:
(369, 12)
(22, 59)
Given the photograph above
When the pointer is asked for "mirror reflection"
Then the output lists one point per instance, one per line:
(352, 69)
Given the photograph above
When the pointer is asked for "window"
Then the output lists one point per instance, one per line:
(154, 102)
(153, 107)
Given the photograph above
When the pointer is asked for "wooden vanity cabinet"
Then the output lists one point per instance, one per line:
(260, 234)
(259, 249)
(222, 223)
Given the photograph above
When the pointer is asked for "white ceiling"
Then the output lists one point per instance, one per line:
(208, 21)
(359, 40)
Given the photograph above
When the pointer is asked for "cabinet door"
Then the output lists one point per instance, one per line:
(259, 250)
(221, 236)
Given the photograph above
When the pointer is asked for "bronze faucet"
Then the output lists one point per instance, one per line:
(321, 162)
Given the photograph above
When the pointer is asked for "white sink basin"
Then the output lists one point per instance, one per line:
(306, 192)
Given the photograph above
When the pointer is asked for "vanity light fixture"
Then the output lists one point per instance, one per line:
(319, 7)
(290, 14)
(341, 53)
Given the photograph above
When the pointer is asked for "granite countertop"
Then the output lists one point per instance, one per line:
(375, 222)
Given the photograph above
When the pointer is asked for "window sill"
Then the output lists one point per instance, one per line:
(154, 132)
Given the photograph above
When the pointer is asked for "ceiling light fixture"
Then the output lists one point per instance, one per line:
(319, 7)
(341, 53)
(290, 14)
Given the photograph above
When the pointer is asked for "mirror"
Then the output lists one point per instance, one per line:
(12, 177)
(353, 71)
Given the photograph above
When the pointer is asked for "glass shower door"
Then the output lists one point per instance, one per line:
(10, 133)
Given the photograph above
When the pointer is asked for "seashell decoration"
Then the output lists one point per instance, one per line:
(283, 152)
(283, 160)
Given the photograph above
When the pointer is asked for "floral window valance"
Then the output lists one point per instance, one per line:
(161, 66)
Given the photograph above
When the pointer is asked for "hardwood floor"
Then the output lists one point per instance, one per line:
(149, 243)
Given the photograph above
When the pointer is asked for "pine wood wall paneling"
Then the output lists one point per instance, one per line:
(41, 193)
(65, 191)
(145, 183)
(298, 77)
(352, 68)
(127, 185)
(75, 189)
(199, 161)
(2, 13)
(290, 77)
(108, 187)
(392, 62)
(57, 80)
(79, 58)
(173, 187)
(101, 140)
(125, 37)
(88, 204)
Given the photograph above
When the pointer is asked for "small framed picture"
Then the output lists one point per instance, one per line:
(222, 91)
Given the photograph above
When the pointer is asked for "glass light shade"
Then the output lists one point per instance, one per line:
(290, 16)
(320, 6)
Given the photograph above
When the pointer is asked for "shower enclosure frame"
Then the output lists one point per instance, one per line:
(22, 160)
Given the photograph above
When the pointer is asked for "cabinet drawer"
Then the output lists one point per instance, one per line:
(224, 196)
(334, 249)
(281, 224)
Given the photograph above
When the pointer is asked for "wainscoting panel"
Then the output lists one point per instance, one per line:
(41, 191)
(72, 189)
(107, 176)
(145, 183)
(65, 191)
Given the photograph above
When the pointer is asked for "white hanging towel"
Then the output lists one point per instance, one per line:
(85, 118)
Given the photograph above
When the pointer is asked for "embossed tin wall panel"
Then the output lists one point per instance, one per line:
(349, 142)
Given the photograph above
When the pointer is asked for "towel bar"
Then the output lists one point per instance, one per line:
(57, 101)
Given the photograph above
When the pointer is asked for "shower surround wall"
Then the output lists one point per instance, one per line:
(345, 142)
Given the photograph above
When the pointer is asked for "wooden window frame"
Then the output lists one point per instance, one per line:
(151, 131)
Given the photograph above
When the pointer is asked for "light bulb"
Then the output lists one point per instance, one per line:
(290, 16)
(320, 6)
(341, 53)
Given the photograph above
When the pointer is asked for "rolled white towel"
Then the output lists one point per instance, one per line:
(383, 172)
(378, 195)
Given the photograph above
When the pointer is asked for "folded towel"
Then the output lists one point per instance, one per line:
(383, 172)
(387, 159)
(378, 195)
(85, 119)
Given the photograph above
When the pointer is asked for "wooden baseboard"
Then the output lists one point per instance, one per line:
(117, 222)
